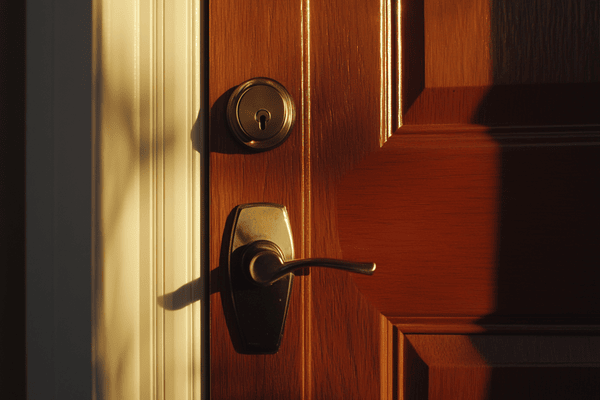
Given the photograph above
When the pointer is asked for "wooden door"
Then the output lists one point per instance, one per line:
(480, 210)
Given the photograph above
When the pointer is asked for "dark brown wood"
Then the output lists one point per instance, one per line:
(501, 367)
(511, 105)
(248, 41)
(432, 202)
(344, 115)
(475, 228)
(500, 62)
(478, 225)
(302, 175)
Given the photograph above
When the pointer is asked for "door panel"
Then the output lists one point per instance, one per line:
(500, 367)
(479, 210)
(495, 62)
(474, 224)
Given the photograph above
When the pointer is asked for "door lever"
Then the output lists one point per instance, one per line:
(260, 266)
(265, 263)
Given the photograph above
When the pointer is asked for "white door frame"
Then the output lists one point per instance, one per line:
(115, 199)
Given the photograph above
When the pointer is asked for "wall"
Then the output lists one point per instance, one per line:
(12, 198)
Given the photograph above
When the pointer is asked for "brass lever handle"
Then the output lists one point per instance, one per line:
(265, 263)
(259, 265)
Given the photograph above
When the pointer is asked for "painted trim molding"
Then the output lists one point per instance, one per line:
(148, 188)
(115, 199)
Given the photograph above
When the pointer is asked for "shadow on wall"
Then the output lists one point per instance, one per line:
(114, 101)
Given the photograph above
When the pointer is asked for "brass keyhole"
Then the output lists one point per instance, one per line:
(263, 122)
(261, 114)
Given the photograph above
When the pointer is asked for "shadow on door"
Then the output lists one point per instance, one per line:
(546, 77)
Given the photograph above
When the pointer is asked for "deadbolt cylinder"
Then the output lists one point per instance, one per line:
(261, 114)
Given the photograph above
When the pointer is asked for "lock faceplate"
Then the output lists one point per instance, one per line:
(261, 114)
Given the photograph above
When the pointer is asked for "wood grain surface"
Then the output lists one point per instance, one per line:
(501, 367)
(345, 127)
(310, 52)
(499, 63)
(481, 211)
(474, 228)
(241, 49)
(478, 225)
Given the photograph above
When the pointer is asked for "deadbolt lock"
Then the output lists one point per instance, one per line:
(261, 114)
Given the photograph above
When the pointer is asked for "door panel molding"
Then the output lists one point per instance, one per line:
(509, 366)
(497, 64)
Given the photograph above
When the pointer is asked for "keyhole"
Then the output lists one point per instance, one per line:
(263, 122)
(262, 117)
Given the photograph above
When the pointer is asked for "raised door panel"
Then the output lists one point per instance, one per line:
(481, 209)
(470, 226)
(477, 367)
(499, 62)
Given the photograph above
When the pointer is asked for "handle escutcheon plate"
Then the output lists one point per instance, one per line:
(260, 312)
(260, 265)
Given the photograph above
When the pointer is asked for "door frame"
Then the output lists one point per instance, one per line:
(80, 57)
(58, 223)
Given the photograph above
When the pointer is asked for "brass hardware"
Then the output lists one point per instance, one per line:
(261, 114)
(260, 266)
(264, 263)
